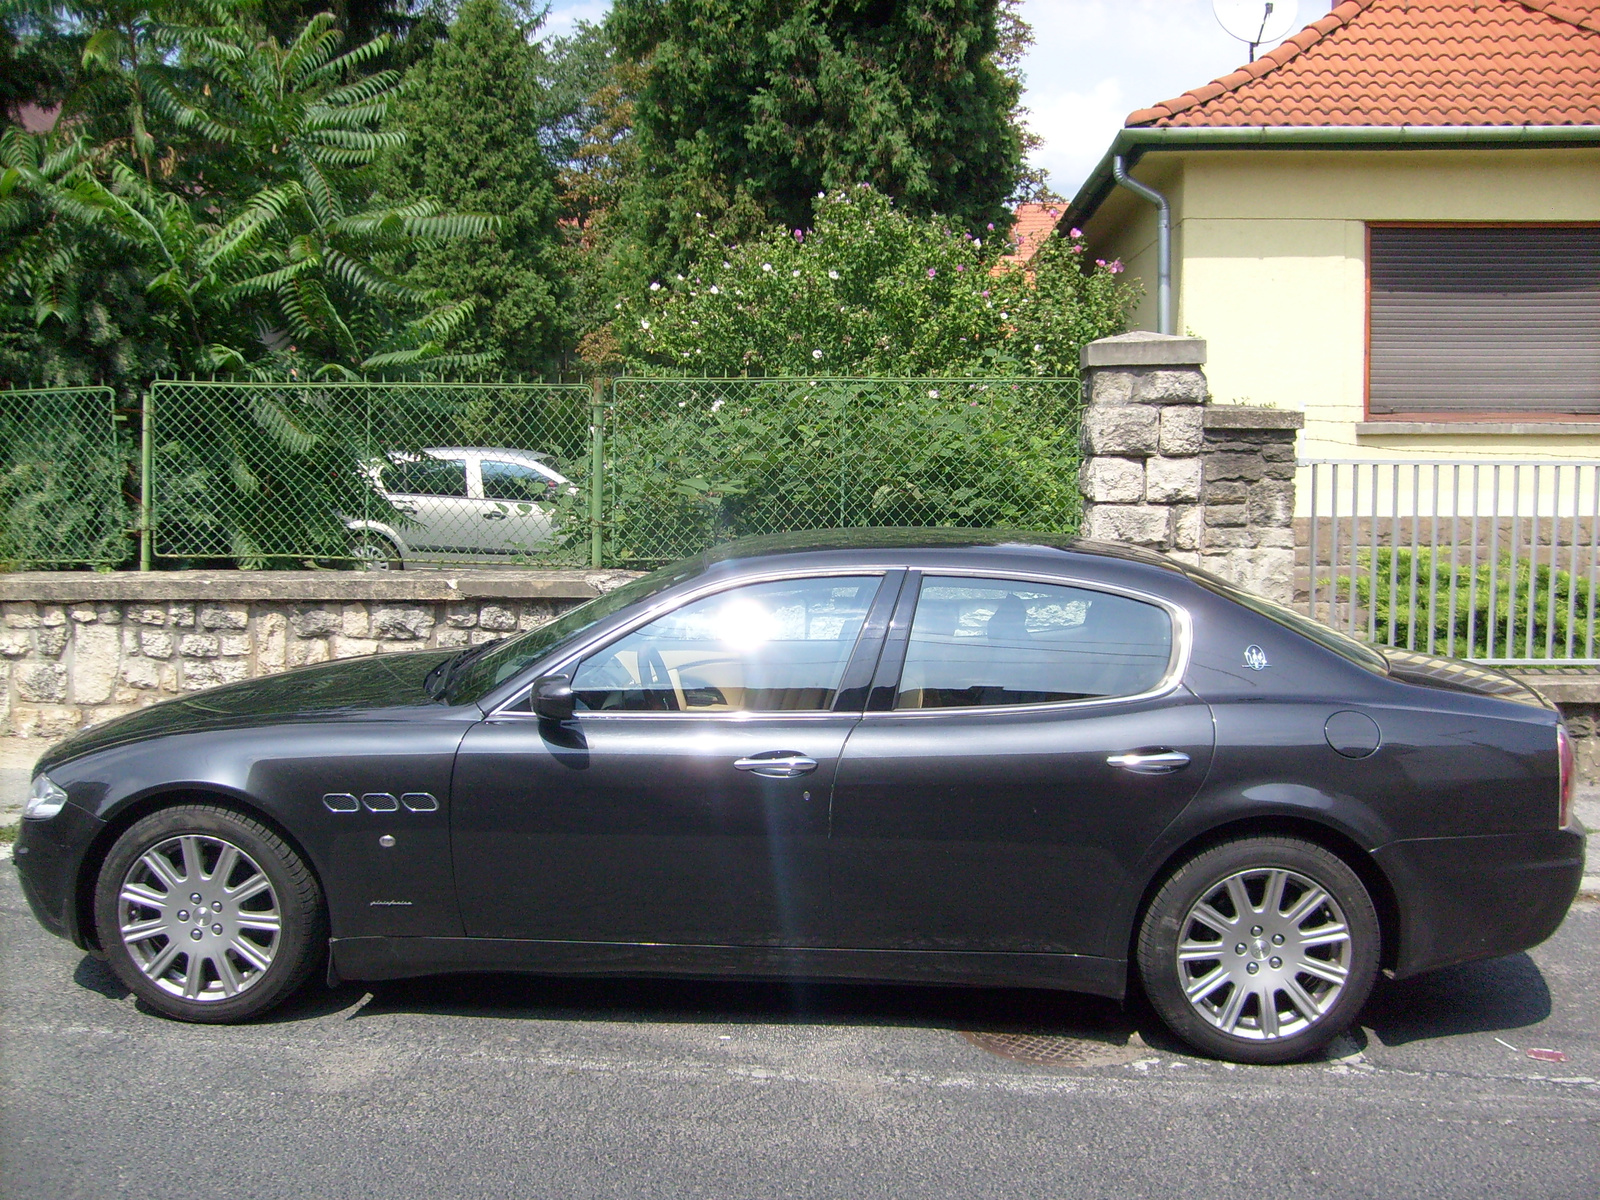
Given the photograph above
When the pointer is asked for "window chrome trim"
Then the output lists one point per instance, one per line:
(1177, 662)
(574, 655)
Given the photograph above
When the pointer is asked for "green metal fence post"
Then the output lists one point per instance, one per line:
(147, 459)
(596, 471)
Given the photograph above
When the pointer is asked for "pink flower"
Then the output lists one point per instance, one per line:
(1077, 233)
(991, 226)
(932, 272)
(799, 235)
(1116, 267)
(961, 266)
(985, 295)
(1099, 262)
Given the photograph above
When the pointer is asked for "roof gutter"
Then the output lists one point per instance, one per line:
(1130, 145)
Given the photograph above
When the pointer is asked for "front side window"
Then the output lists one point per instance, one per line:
(765, 647)
(979, 642)
(427, 476)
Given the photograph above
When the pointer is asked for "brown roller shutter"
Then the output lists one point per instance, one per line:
(1485, 319)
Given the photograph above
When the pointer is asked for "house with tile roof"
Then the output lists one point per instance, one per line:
(1390, 222)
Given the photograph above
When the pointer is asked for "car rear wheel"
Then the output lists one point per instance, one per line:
(207, 915)
(374, 552)
(1260, 950)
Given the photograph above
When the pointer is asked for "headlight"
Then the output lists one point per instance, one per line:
(46, 800)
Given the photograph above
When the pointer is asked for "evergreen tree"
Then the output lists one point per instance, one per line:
(754, 105)
(477, 108)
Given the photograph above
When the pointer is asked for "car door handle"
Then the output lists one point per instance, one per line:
(777, 766)
(494, 516)
(1150, 762)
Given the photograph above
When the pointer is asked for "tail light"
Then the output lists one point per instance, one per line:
(1569, 775)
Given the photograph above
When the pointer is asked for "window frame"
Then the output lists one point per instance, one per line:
(868, 643)
(1462, 416)
(892, 666)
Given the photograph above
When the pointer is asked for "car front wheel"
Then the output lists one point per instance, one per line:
(1260, 950)
(374, 552)
(208, 915)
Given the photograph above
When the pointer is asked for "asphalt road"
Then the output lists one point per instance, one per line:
(482, 1087)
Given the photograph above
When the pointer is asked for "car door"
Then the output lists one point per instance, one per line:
(1024, 742)
(686, 802)
(516, 509)
(430, 491)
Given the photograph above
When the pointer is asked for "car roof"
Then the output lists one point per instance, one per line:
(500, 452)
(866, 540)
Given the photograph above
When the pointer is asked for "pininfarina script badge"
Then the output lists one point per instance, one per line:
(1255, 658)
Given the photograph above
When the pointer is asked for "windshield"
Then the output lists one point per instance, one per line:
(493, 667)
(1341, 644)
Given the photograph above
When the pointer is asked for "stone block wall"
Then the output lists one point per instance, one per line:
(1162, 468)
(78, 649)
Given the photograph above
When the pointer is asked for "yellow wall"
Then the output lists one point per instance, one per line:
(1270, 268)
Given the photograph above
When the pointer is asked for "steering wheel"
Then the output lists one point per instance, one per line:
(657, 680)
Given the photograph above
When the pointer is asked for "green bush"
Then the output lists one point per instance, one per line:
(1531, 594)
(691, 463)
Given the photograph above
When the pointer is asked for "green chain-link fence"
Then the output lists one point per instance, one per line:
(62, 470)
(369, 473)
(693, 462)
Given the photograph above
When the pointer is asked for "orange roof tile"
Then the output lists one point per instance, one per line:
(1413, 62)
(1033, 224)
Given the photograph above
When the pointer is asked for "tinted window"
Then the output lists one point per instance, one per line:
(513, 481)
(767, 647)
(982, 642)
(427, 476)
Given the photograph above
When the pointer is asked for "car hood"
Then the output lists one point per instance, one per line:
(385, 681)
(1456, 676)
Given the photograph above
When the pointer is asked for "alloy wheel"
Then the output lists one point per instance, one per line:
(1264, 954)
(199, 917)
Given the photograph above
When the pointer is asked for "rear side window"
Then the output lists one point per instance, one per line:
(427, 476)
(512, 481)
(980, 642)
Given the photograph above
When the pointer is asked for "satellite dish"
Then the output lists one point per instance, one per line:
(1256, 21)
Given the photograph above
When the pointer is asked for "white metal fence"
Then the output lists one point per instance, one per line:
(1497, 562)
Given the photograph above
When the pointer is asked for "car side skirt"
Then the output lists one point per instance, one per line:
(379, 958)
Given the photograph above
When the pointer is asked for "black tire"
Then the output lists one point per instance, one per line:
(234, 937)
(373, 551)
(1230, 1019)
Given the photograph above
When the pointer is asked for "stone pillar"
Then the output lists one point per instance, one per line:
(1211, 485)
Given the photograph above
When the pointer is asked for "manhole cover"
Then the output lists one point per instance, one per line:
(1049, 1050)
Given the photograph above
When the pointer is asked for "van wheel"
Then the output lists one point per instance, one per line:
(374, 552)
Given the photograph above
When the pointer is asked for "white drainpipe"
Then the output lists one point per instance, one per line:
(1164, 321)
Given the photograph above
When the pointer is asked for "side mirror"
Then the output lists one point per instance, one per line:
(552, 697)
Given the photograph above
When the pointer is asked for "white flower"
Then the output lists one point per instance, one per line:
(1038, 349)
(715, 404)
(715, 291)
(727, 266)
(680, 278)
(643, 324)
(766, 266)
(795, 274)
(656, 287)
(816, 354)
(618, 304)
(694, 322)
(933, 393)
(1005, 316)
(977, 242)
(833, 274)
(683, 404)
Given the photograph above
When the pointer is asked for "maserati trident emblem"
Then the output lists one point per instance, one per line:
(1255, 658)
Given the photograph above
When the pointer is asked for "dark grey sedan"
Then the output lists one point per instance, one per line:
(929, 756)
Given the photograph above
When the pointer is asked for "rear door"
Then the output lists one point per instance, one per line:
(1025, 742)
(515, 510)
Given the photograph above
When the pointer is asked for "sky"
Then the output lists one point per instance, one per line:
(1093, 62)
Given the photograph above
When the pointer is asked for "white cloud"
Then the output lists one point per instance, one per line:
(563, 16)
